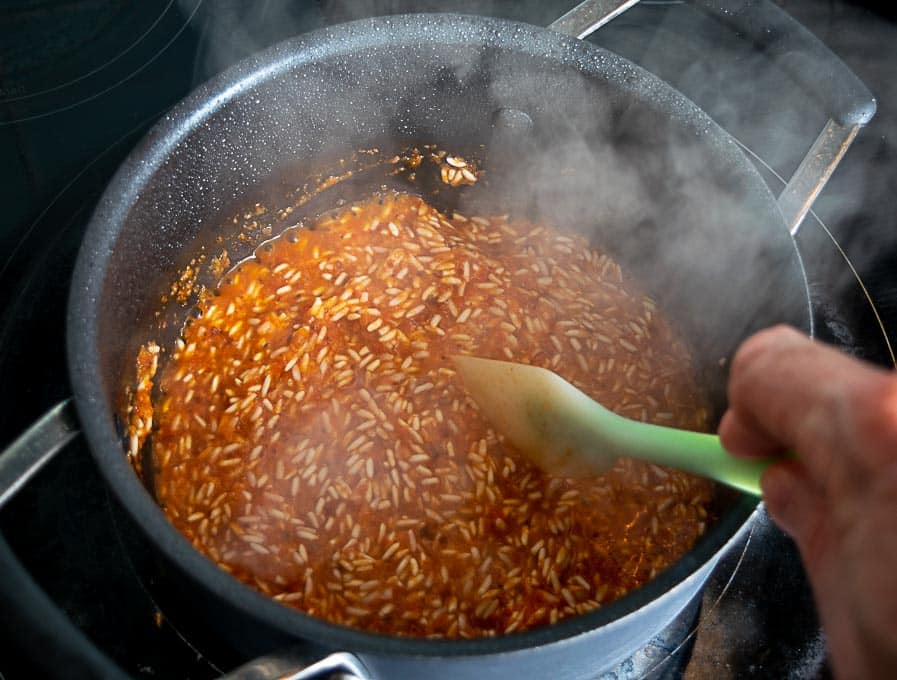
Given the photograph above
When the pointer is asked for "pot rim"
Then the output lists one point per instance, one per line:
(83, 339)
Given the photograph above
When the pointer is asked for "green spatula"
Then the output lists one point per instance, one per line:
(566, 433)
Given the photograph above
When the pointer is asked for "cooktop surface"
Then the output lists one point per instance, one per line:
(81, 82)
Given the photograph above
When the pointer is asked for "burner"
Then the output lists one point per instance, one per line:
(87, 49)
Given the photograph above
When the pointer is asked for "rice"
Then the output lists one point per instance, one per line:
(311, 436)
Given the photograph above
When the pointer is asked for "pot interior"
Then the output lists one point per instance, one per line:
(566, 134)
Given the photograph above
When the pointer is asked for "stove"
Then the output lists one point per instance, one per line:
(82, 81)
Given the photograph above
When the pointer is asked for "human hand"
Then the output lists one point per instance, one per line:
(838, 499)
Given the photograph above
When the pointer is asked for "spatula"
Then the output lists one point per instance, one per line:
(566, 433)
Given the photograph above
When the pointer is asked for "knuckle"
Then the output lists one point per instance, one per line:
(755, 348)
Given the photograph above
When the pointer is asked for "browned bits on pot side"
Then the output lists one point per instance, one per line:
(456, 171)
(186, 285)
(140, 406)
(313, 439)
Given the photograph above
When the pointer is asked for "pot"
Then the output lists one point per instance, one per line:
(699, 229)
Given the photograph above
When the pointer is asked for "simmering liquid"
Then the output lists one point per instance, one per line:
(312, 437)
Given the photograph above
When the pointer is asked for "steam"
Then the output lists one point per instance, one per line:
(746, 93)
(754, 99)
(232, 30)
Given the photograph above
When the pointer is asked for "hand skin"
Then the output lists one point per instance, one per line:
(838, 500)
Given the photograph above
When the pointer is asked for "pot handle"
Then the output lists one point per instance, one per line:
(35, 447)
(342, 665)
(847, 101)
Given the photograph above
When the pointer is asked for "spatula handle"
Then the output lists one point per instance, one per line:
(696, 452)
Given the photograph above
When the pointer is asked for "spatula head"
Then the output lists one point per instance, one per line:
(566, 433)
(530, 406)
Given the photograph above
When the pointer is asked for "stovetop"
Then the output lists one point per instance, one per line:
(82, 81)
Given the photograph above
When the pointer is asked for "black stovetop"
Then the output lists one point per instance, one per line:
(82, 81)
